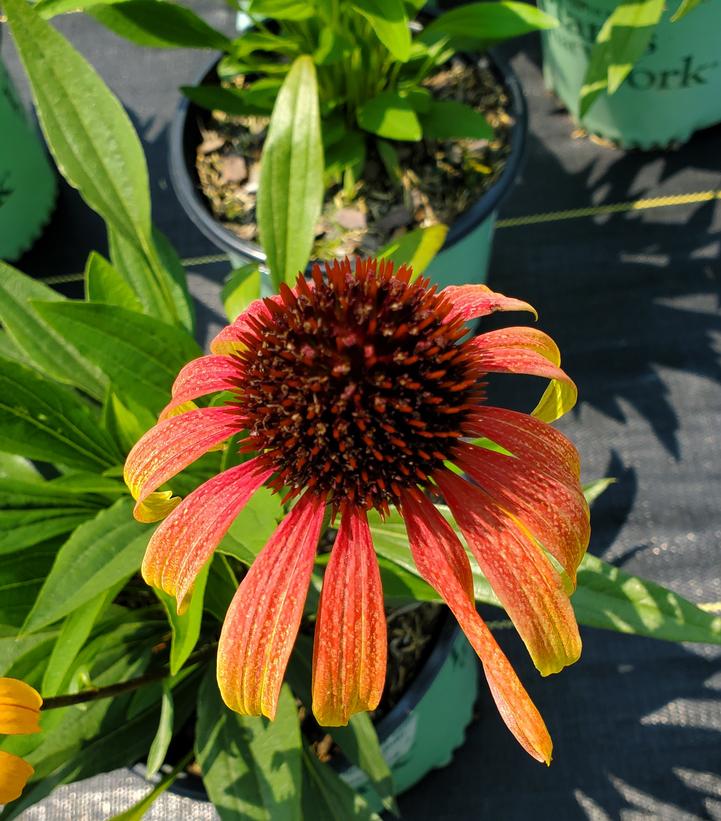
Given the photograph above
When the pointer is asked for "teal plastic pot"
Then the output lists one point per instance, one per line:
(424, 729)
(465, 254)
(27, 180)
(674, 89)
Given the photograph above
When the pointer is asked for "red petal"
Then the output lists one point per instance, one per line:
(554, 512)
(207, 374)
(474, 301)
(173, 444)
(536, 442)
(436, 550)
(233, 337)
(527, 351)
(263, 618)
(349, 653)
(186, 540)
(519, 572)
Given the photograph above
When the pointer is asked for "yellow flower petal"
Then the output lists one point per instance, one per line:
(19, 707)
(14, 774)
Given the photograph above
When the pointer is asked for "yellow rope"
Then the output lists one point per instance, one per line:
(611, 208)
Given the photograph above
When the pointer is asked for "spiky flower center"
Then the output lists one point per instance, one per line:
(356, 387)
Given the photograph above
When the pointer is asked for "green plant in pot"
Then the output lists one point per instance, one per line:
(253, 582)
(417, 127)
(642, 74)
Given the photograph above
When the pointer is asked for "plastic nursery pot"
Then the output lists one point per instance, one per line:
(27, 179)
(466, 251)
(423, 729)
(674, 89)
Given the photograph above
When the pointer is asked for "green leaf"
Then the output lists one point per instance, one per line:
(282, 9)
(21, 576)
(103, 283)
(620, 43)
(251, 766)
(99, 554)
(140, 355)
(347, 154)
(161, 287)
(159, 24)
(255, 523)
(240, 289)
(416, 248)
(390, 23)
(476, 26)
(126, 425)
(291, 177)
(42, 346)
(17, 467)
(592, 490)
(451, 120)
(186, 627)
(230, 100)
(44, 421)
(13, 648)
(164, 735)
(684, 8)
(390, 115)
(73, 635)
(87, 129)
(326, 797)
(20, 529)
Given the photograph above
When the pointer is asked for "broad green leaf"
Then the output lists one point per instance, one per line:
(99, 554)
(620, 43)
(164, 735)
(605, 597)
(291, 178)
(158, 288)
(240, 289)
(173, 279)
(48, 9)
(186, 627)
(451, 120)
(73, 635)
(13, 647)
(45, 421)
(126, 426)
(43, 347)
(21, 576)
(251, 766)
(326, 797)
(103, 283)
(17, 467)
(87, 129)
(82, 483)
(221, 587)
(282, 9)
(684, 8)
(476, 26)
(158, 23)
(416, 248)
(348, 154)
(141, 356)
(20, 529)
(390, 23)
(390, 115)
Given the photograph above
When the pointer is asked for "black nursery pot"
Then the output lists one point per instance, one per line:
(465, 254)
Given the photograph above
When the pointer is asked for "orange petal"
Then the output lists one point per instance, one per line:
(536, 442)
(172, 445)
(207, 374)
(554, 512)
(528, 351)
(185, 541)
(19, 707)
(14, 774)
(436, 551)
(519, 572)
(474, 301)
(263, 618)
(350, 648)
(235, 337)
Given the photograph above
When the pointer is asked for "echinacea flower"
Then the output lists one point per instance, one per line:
(360, 390)
(19, 713)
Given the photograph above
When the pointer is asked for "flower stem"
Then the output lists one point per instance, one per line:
(97, 693)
